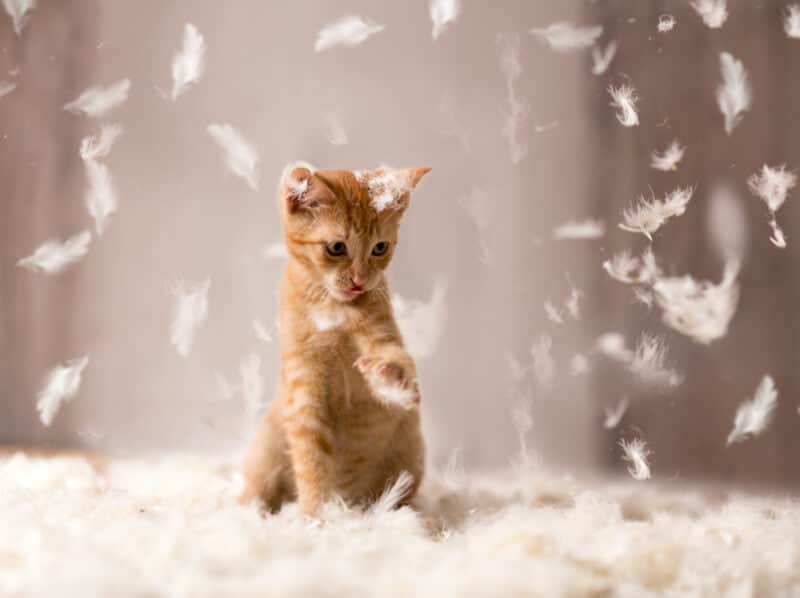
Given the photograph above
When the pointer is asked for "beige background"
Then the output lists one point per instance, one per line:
(404, 100)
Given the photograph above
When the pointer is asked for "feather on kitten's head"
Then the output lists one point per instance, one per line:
(341, 225)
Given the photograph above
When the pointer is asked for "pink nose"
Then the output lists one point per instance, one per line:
(358, 282)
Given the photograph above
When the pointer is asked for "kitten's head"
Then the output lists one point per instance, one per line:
(341, 225)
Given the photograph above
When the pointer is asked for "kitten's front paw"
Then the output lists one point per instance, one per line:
(390, 381)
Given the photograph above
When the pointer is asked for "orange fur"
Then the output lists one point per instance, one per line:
(346, 419)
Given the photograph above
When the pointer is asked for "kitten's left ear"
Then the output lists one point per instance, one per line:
(415, 175)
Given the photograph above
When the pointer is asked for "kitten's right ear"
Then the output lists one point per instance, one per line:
(301, 190)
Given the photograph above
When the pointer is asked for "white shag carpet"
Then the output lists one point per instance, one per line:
(171, 527)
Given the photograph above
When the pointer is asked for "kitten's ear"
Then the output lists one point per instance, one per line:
(415, 175)
(300, 189)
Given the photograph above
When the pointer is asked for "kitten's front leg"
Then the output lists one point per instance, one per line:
(391, 375)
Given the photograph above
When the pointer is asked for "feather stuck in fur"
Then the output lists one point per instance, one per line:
(650, 214)
(241, 156)
(62, 385)
(586, 230)
(96, 147)
(636, 453)
(188, 64)
(346, 32)
(624, 99)
(753, 417)
(517, 112)
(602, 57)
(734, 94)
(20, 12)
(443, 13)
(713, 12)
(54, 256)
(99, 101)
(669, 159)
(386, 185)
(189, 312)
(568, 37)
(773, 185)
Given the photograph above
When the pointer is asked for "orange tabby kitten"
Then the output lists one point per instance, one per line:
(346, 419)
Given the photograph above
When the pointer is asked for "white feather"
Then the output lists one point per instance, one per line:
(772, 185)
(346, 32)
(101, 197)
(669, 159)
(252, 383)
(636, 453)
(19, 11)
(602, 57)
(553, 313)
(633, 270)
(261, 331)
(624, 99)
(588, 229)
(54, 256)
(189, 312)
(791, 21)
(99, 101)
(544, 366)
(241, 156)
(188, 64)
(94, 148)
(407, 398)
(734, 94)
(421, 323)
(517, 113)
(614, 346)
(6, 87)
(327, 320)
(650, 214)
(443, 13)
(666, 23)
(336, 133)
(753, 417)
(713, 12)
(393, 495)
(648, 363)
(567, 37)
(614, 414)
(386, 185)
(62, 384)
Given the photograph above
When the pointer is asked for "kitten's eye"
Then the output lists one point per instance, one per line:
(380, 248)
(336, 249)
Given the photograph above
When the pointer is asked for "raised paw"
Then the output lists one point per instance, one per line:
(390, 381)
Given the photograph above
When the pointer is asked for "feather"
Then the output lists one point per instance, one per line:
(588, 229)
(700, 310)
(99, 101)
(614, 414)
(189, 312)
(6, 87)
(94, 148)
(19, 11)
(791, 21)
(602, 57)
(53, 256)
(777, 237)
(772, 185)
(567, 37)
(252, 383)
(275, 251)
(624, 99)
(553, 313)
(346, 32)
(386, 185)
(648, 362)
(666, 23)
(188, 64)
(241, 156)
(62, 385)
(544, 366)
(261, 331)
(327, 320)
(713, 12)
(572, 304)
(734, 94)
(393, 495)
(648, 216)
(336, 134)
(443, 13)
(753, 417)
(101, 197)
(421, 323)
(669, 159)
(407, 398)
(636, 453)
(633, 270)
(614, 346)
(517, 113)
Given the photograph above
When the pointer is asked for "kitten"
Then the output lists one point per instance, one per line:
(346, 420)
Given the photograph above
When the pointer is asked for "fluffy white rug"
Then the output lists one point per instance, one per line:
(170, 527)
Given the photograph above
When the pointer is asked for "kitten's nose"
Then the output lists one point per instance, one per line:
(358, 283)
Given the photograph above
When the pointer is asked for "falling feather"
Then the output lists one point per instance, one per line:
(602, 57)
(624, 99)
(241, 156)
(614, 346)
(62, 385)
(648, 363)
(189, 312)
(791, 21)
(650, 214)
(567, 37)
(544, 366)
(252, 383)
(6, 87)
(20, 12)
(669, 158)
(336, 133)
(101, 197)
(188, 64)
(94, 148)
(586, 230)
(99, 101)
(713, 12)
(753, 417)
(666, 23)
(421, 323)
(772, 185)
(261, 331)
(614, 414)
(443, 13)
(346, 32)
(517, 112)
(54, 256)
(734, 94)
(636, 453)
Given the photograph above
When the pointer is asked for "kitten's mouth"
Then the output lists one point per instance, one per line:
(355, 291)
